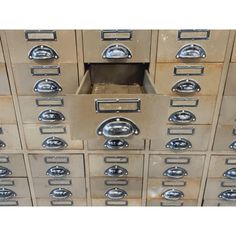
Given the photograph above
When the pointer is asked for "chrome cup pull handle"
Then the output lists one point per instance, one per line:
(228, 195)
(47, 86)
(116, 171)
(116, 144)
(2, 145)
(117, 127)
(116, 193)
(51, 116)
(42, 52)
(179, 144)
(6, 194)
(175, 172)
(58, 171)
(191, 51)
(4, 171)
(60, 193)
(54, 143)
(230, 174)
(186, 86)
(233, 145)
(117, 51)
(173, 194)
(182, 117)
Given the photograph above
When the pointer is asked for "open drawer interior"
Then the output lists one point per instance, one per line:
(116, 79)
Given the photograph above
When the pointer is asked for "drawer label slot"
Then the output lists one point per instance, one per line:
(174, 183)
(182, 160)
(180, 131)
(49, 102)
(116, 34)
(56, 159)
(52, 130)
(45, 70)
(116, 159)
(116, 203)
(184, 102)
(188, 70)
(200, 34)
(40, 35)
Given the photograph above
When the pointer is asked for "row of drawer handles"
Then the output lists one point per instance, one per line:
(116, 51)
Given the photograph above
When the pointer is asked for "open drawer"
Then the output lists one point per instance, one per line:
(114, 101)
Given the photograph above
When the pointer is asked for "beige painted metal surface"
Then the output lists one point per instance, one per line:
(106, 202)
(230, 86)
(4, 88)
(7, 114)
(155, 202)
(17, 202)
(218, 203)
(63, 203)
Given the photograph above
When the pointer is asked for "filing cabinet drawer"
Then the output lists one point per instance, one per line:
(192, 45)
(221, 189)
(189, 166)
(14, 188)
(233, 56)
(154, 202)
(126, 187)
(33, 107)
(4, 88)
(117, 45)
(188, 79)
(221, 165)
(119, 203)
(9, 137)
(219, 203)
(50, 137)
(230, 85)
(61, 41)
(182, 138)
(58, 165)
(172, 190)
(17, 202)
(56, 203)
(116, 144)
(116, 165)
(225, 139)
(7, 114)
(12, 165)
(27, 77)
(59, 189)
(228, 110)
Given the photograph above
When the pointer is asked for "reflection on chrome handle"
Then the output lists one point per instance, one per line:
(191, 51)
(6, 194)
(182, 117)
(116, 51)
(116, 144)
(54, 143)
(47, 86)
(51, 116)
(175, 172)
(173, 194)
(179, 144)
(57, 171)
(42, 52)
(186, 86)
(228, 195)
(60, 193)
(4, 171)
(116, 193)
(116, 171)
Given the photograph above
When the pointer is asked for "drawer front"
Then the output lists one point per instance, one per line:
(4, 88)
(116, 144)
(22, 42)
(216, 187)
(131, 186)
(16, 186)
(73, 187)
(12, 165)
(194, 138)
(222, 166)
(228, 111)
(205, 78)
(50, 137)
(192, 166)
(230, 85)
(225, 138)
(17, 202)
(212, 44)
(57, 165)
(99, 45)
(157, 188)
(233, 57)
(7, 116)
(116, 165)
(27, 76)
(69, 202)
(154, 202)
(9, 137)
(119, 203)
(218, 203)
(32, 107)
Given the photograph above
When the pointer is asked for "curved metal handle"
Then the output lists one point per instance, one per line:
(116, 144)
(2, 144)
(6, 194)
(47, 86)
(116, 193)
(230, 173)
(175, 172)
(4, 171)
(42, 52)
(51, 116)
(57, 171)
(228, 195)
(182, 117)
(60, 193)
(186, 86)
(179, 144)
(54, 143)
(117, 127)
(191, 51)
(233, 145)
(116, 171)
(173, 194)
(116, 51)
